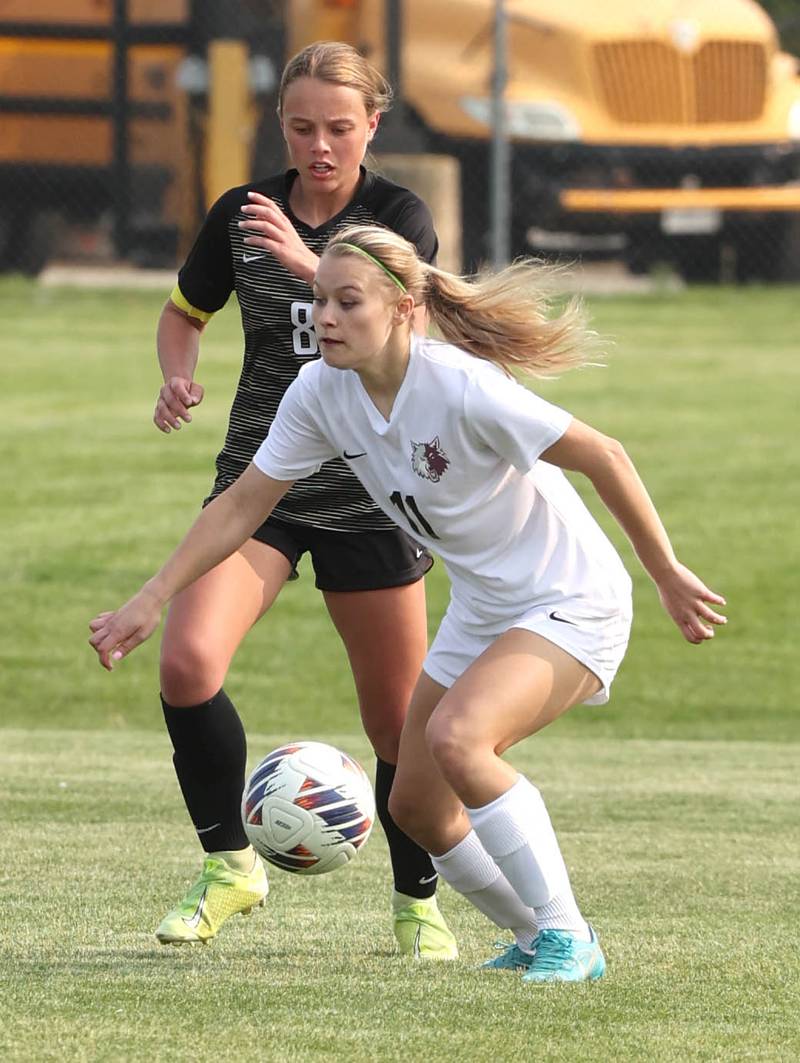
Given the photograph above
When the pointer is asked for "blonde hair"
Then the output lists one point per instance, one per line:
(338, 64)
(503, 317)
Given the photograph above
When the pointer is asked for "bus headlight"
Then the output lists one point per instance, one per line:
(539, 120)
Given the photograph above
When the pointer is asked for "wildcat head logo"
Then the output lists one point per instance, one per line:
(428, 460)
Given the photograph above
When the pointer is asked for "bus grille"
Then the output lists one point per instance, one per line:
(652, 81)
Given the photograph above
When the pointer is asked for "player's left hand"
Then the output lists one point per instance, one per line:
(115, 634)
(686, 598)
(268, 227)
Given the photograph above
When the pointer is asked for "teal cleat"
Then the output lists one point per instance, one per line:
(560, 956)
(512, 958)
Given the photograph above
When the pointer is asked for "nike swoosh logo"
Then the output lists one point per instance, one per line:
(205, 830)
(561, 619)
(194, 922)
(251, 258)
(423, 881)
(431, 878)
(352, 457)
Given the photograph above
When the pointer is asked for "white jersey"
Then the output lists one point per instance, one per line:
(456, 465)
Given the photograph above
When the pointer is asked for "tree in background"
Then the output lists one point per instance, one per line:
(786, 15)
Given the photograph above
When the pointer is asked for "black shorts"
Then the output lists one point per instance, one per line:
(349, 561)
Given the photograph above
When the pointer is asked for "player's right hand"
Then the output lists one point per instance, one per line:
(115, 634)
(177, 396)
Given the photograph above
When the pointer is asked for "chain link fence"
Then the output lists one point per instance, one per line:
(104, 107)
(111, 112)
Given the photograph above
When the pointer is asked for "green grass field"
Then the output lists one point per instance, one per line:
(676, 805)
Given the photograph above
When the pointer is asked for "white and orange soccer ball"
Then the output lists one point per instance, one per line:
(308, 808)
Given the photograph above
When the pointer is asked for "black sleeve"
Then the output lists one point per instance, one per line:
(413, 220)
(206, 277)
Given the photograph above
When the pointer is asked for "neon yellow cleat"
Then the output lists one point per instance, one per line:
(420, 929)
(219, 893)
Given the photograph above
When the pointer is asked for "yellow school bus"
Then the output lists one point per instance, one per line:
(669, 129)
(666, 128)
(60, 160)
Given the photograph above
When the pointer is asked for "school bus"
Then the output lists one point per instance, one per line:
(665, 129)
(659, 130)
(60, 160)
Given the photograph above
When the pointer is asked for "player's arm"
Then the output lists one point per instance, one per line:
(178, 348)
(205, 282)
(604, 461)
(223, 526)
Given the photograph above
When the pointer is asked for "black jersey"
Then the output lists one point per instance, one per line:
(279, 335)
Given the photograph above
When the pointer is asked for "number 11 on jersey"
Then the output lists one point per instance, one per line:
(409, 503)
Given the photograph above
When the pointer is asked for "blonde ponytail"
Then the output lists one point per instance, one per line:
(503, 317)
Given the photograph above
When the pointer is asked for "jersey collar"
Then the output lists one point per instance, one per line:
(365, 183)
(377, 421)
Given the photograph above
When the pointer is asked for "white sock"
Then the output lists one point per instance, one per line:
(515, 830)
(470, 870)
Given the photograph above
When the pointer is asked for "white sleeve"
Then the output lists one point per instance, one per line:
(296, 446)
(511, 420)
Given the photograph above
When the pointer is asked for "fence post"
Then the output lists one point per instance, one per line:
(501, 152)
(121, 167)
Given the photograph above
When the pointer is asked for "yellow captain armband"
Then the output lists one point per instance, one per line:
(176, 296)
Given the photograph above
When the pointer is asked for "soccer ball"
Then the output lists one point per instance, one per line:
(308, 808)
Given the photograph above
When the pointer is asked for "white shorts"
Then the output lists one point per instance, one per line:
(598, 641)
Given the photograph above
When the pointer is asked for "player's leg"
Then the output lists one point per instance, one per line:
(204, 627)
(439, 822)
(385, 635)
(515, 688)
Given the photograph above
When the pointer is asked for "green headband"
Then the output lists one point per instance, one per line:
(377, 261)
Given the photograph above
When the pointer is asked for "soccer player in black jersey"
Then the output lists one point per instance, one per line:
(263, 241)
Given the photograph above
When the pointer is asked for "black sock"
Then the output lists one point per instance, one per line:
(414, 873)
(210, 761)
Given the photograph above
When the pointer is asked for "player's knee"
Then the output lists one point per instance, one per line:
(189, 675)
(382, 719)
(451, 745)
(383, 735)
(409, 814)
(401, 807)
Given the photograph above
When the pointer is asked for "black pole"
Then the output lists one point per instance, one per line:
(396, 130)
(120, 164)
(392, 123)
(393, 38)
(501, 149)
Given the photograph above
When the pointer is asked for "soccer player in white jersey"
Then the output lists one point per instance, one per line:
(469, 462)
